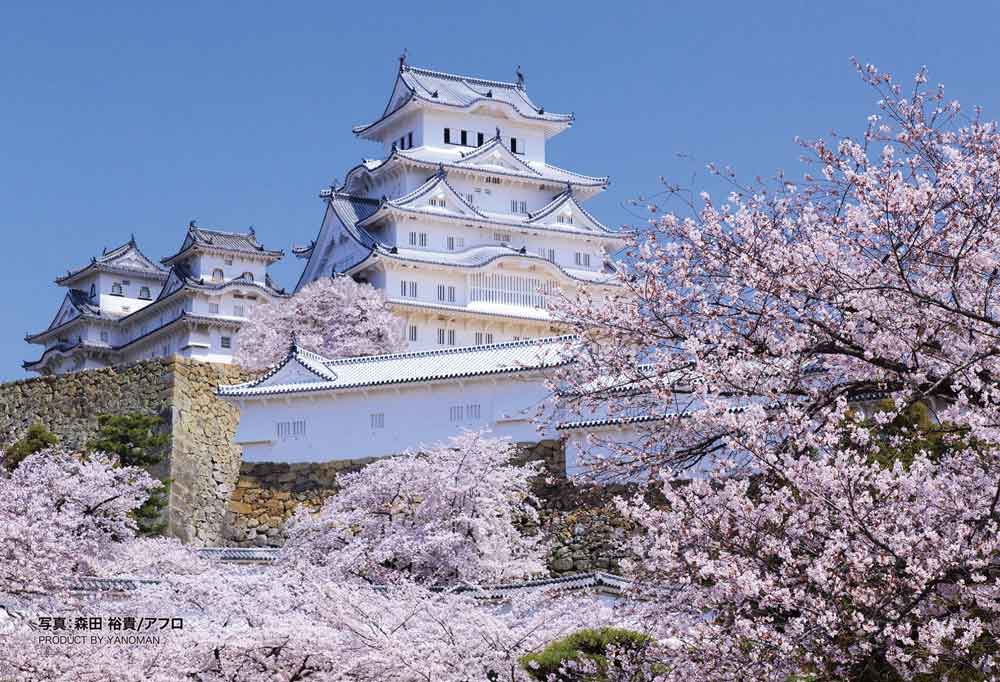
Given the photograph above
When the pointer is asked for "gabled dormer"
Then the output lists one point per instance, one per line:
(125, 260)
(496, 156)
(435, 197)
(565, 213)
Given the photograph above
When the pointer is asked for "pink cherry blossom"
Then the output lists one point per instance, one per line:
(335, 317)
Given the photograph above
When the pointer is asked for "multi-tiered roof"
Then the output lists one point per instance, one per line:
(360, 206)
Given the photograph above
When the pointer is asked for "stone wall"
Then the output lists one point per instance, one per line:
(266, 494)
(586, 533)
(202, 461)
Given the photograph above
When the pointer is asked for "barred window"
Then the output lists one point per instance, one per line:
(377, 420)
(291, 430)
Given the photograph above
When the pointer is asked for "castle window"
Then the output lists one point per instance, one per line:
(582, 259)
(456, 243)
(566, 219)
(472, 411)
(93, 290)
(518, 206)
(409, 140)
(456, 413)
(407, 289)
(213, 308)
(437, 201)
(440, 292)
(239, 310)
(226, 342)
(291, 430)
(479, 139)
(217, 275)
(423, 236)
(248, 276)
(447, 135)
(465, 138)
(451, 337)
(377, 420)
(144, 293)
(548, 254)
(501, 237)
(451, 294)
(104, 336)
(413, 332)
(513, 146)
(116, 289)
(441, 333)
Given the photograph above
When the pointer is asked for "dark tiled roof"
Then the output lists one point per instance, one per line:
(240, 242)
(81, 301)
(125, 259)
(610, 421)
(410, 367)
(450, 89)
(597, 581)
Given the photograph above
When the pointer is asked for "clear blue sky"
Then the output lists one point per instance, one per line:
(136, 117)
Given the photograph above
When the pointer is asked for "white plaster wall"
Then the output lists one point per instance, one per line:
(338, 424)
(204, 265)
(532, 137)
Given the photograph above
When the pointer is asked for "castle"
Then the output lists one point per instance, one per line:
(469, 231)
(464, 225)
(122, 307)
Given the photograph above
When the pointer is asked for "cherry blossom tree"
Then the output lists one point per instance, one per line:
(60, 513)
(748, 344)
(451, 514)
(335, 317)
(393, 588)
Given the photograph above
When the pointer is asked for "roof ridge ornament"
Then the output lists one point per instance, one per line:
(441, 171)
(402, 59)
(498, 133)
(520, 77)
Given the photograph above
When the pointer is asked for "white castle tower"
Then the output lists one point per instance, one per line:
(123, 307)
(464, 224)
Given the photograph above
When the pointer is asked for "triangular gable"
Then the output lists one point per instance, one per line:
(67, 311)
(401, 93)
(494, 154)
(429, 197)
(131, 258)
(175, 281)
(565, 213)
(298, 367)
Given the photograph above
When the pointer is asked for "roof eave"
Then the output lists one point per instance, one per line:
(271, 256)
